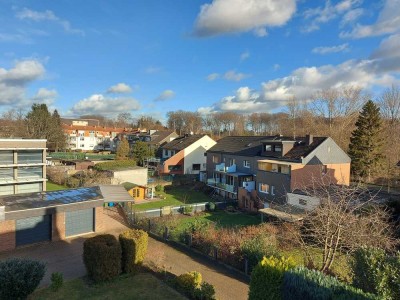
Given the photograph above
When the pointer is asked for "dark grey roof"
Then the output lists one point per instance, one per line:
(252, 146)
(240, 145)
(115, 193)
(181, 143)
(50, 199)
(159, 136)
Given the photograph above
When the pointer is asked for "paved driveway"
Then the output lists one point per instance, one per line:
(66, 257)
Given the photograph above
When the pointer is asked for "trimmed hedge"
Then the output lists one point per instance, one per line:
(267, 277)
(302, 283)
(20, 277)
(377, 273)
(102, 257)
(114, 165)
(134, 247)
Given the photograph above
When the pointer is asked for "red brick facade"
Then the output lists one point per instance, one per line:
(58, 227)
(7, 235)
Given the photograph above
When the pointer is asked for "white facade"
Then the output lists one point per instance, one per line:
(307, 203)
(194, 155)
(136, 175)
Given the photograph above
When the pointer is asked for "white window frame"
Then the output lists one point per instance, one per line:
(263, 184)
(272, 189)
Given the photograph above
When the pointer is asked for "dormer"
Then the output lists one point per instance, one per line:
(277, 147)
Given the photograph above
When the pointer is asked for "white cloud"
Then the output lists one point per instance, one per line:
(213, 76)
(331, 49)
(230, 16)
(245, 55)
(120, 88)
(381, 69)
(232, 75)
(165, 95)
(276, 67)
(351, 16)
(321, 15)
(13, 82)
(388, 22)
(260, 32)
(46, 96)
(100, 104)
(49, 16)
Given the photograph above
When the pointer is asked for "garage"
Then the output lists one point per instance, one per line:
(79, 222)
(33, 230)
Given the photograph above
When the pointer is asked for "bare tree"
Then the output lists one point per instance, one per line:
(389, 103)
(346, 219)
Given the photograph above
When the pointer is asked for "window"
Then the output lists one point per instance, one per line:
(30, 172)
(268, 148)
(175, 168)
(82, 138)
(278, 148)
(324, 169)
(232, 161)
(302, 201)
(29, 156)
(6, 174)
(246, 163)
(215, 159)
(196, 167)
(263, 188)
(82, 145)
(6, 157)
(272, 190)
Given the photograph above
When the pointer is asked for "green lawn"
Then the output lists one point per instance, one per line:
(50, 186)
(141, 286)
(174, 197)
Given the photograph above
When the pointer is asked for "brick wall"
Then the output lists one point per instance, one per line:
(99, 221)
(7, 235)
(58, 227)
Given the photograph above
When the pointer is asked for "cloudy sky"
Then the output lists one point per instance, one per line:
(154, 56)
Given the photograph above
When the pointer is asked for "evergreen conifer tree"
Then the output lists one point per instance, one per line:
(366, 142)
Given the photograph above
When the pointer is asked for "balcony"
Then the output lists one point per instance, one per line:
(223, 186)
(222, 168)
(249, 185)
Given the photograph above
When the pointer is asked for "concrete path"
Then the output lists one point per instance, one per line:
(66, 257)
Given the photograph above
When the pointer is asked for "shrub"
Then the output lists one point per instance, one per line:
(254, 249)
(159, 188)
(20, 277)
(102, 257)
(57, 280)
(302, 283)
(205, 292)
(377, 273)
(114, 165)
(134, 247)
(210, 206)
(267, 277)
(189, 282)
(188, 209)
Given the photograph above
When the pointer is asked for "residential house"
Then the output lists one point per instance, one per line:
(29, 214)
(185, 155)
(259, 170)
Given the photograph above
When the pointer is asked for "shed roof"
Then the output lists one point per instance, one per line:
(115, 193)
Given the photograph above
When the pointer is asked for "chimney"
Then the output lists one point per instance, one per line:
(309, 139)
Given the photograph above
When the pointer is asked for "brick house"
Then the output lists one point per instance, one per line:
(29, 214)
(264, 169)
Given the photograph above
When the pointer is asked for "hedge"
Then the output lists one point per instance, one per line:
(134, 247)
(377, 273)
(302, 283)
(114, 165)
(267, 276)
(20, 277)
(102, 257)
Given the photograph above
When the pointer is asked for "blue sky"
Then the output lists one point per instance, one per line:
(153, 56)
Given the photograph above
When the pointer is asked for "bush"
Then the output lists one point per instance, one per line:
(302, 283)
(134, 247)
(57, 281)
(189, 282)
(114, 165)
(377, 273)
(267, 277)
(20, 277)
(188, 209)
(159, 188)
(205, 292)
(256, 248)
(210, 206)
(102, 257)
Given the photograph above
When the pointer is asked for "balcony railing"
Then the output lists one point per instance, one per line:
(220, 185)
(222, 168)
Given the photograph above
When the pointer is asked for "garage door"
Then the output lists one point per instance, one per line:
(79, 221)
(33, 230)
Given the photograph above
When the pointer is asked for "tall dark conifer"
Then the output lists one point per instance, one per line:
(366, 142)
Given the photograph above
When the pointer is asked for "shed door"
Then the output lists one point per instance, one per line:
(79, 221)
(33, 230)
